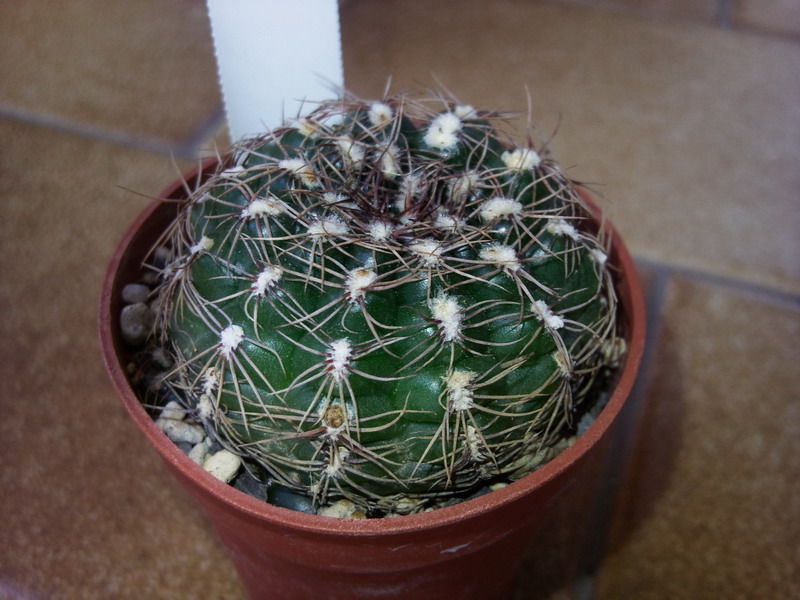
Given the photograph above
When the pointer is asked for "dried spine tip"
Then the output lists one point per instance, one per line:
(338, 358)
(229, 339)
(500, 207)
(521, 159)
(543, 312)
(447, 311)
(459, 393)
(443, 132)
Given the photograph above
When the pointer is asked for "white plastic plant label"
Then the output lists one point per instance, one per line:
(273, 55)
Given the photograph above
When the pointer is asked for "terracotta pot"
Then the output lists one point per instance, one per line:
(466, 551)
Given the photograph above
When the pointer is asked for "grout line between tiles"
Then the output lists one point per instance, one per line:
(720, 280)
(114, 137)
(619, 456)
(724, 16)
(194, 145)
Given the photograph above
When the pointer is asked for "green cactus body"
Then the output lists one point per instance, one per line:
(384, 302)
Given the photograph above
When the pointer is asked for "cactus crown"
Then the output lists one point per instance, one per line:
(387, 302)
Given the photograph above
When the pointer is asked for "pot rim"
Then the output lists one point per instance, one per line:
(631, 299)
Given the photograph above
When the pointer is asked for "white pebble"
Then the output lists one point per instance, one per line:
(341, 509)
(198, 453)
(180, 431)
(223, 465)
(173, 410)
(135, 292)
(205, 407)
(135, 322)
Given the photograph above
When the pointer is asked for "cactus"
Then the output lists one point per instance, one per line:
(387, 302)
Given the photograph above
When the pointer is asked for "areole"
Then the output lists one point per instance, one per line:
(468, 550)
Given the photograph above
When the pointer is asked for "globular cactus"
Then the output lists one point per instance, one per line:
(387, 302)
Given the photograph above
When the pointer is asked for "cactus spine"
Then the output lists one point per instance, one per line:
(387, 302)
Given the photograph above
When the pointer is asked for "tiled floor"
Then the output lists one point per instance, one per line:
(684, 114)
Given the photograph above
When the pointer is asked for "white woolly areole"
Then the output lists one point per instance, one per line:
(336, 465)
(327, 227)
(443, 132)
(447, 311)
(379, 231)
(302, 170)
(307, 127)
(447, 222)
(460, 187)
(352, 152)
(541, 310)
(599, 256)
(205, 244)
(380, 114)
(502, 255)
(338, 356)
(561, 227)
(389, 164)
(264, 207)
(266, 279)
(232, 172)
(499, 207)
(358, 280)
(210, 381)
(460, 397)
(410, 186)
(465, 111)
(521, 159)
(476, 445)
(430, 251)
(564, 363)
(230, 338)
(333, 198)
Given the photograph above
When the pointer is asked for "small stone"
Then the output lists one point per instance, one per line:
(161, 357)
(136, 321)
(199, 453)
(134, 293)
(342, 509)
(223, 465)
(161, 257)
(173, 410)
(181, 431)
(251, 486)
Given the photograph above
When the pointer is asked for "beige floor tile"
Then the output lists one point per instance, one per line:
(89, 511)
(693, 133)
(140, 69)
(768, 16)
(710, 504)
